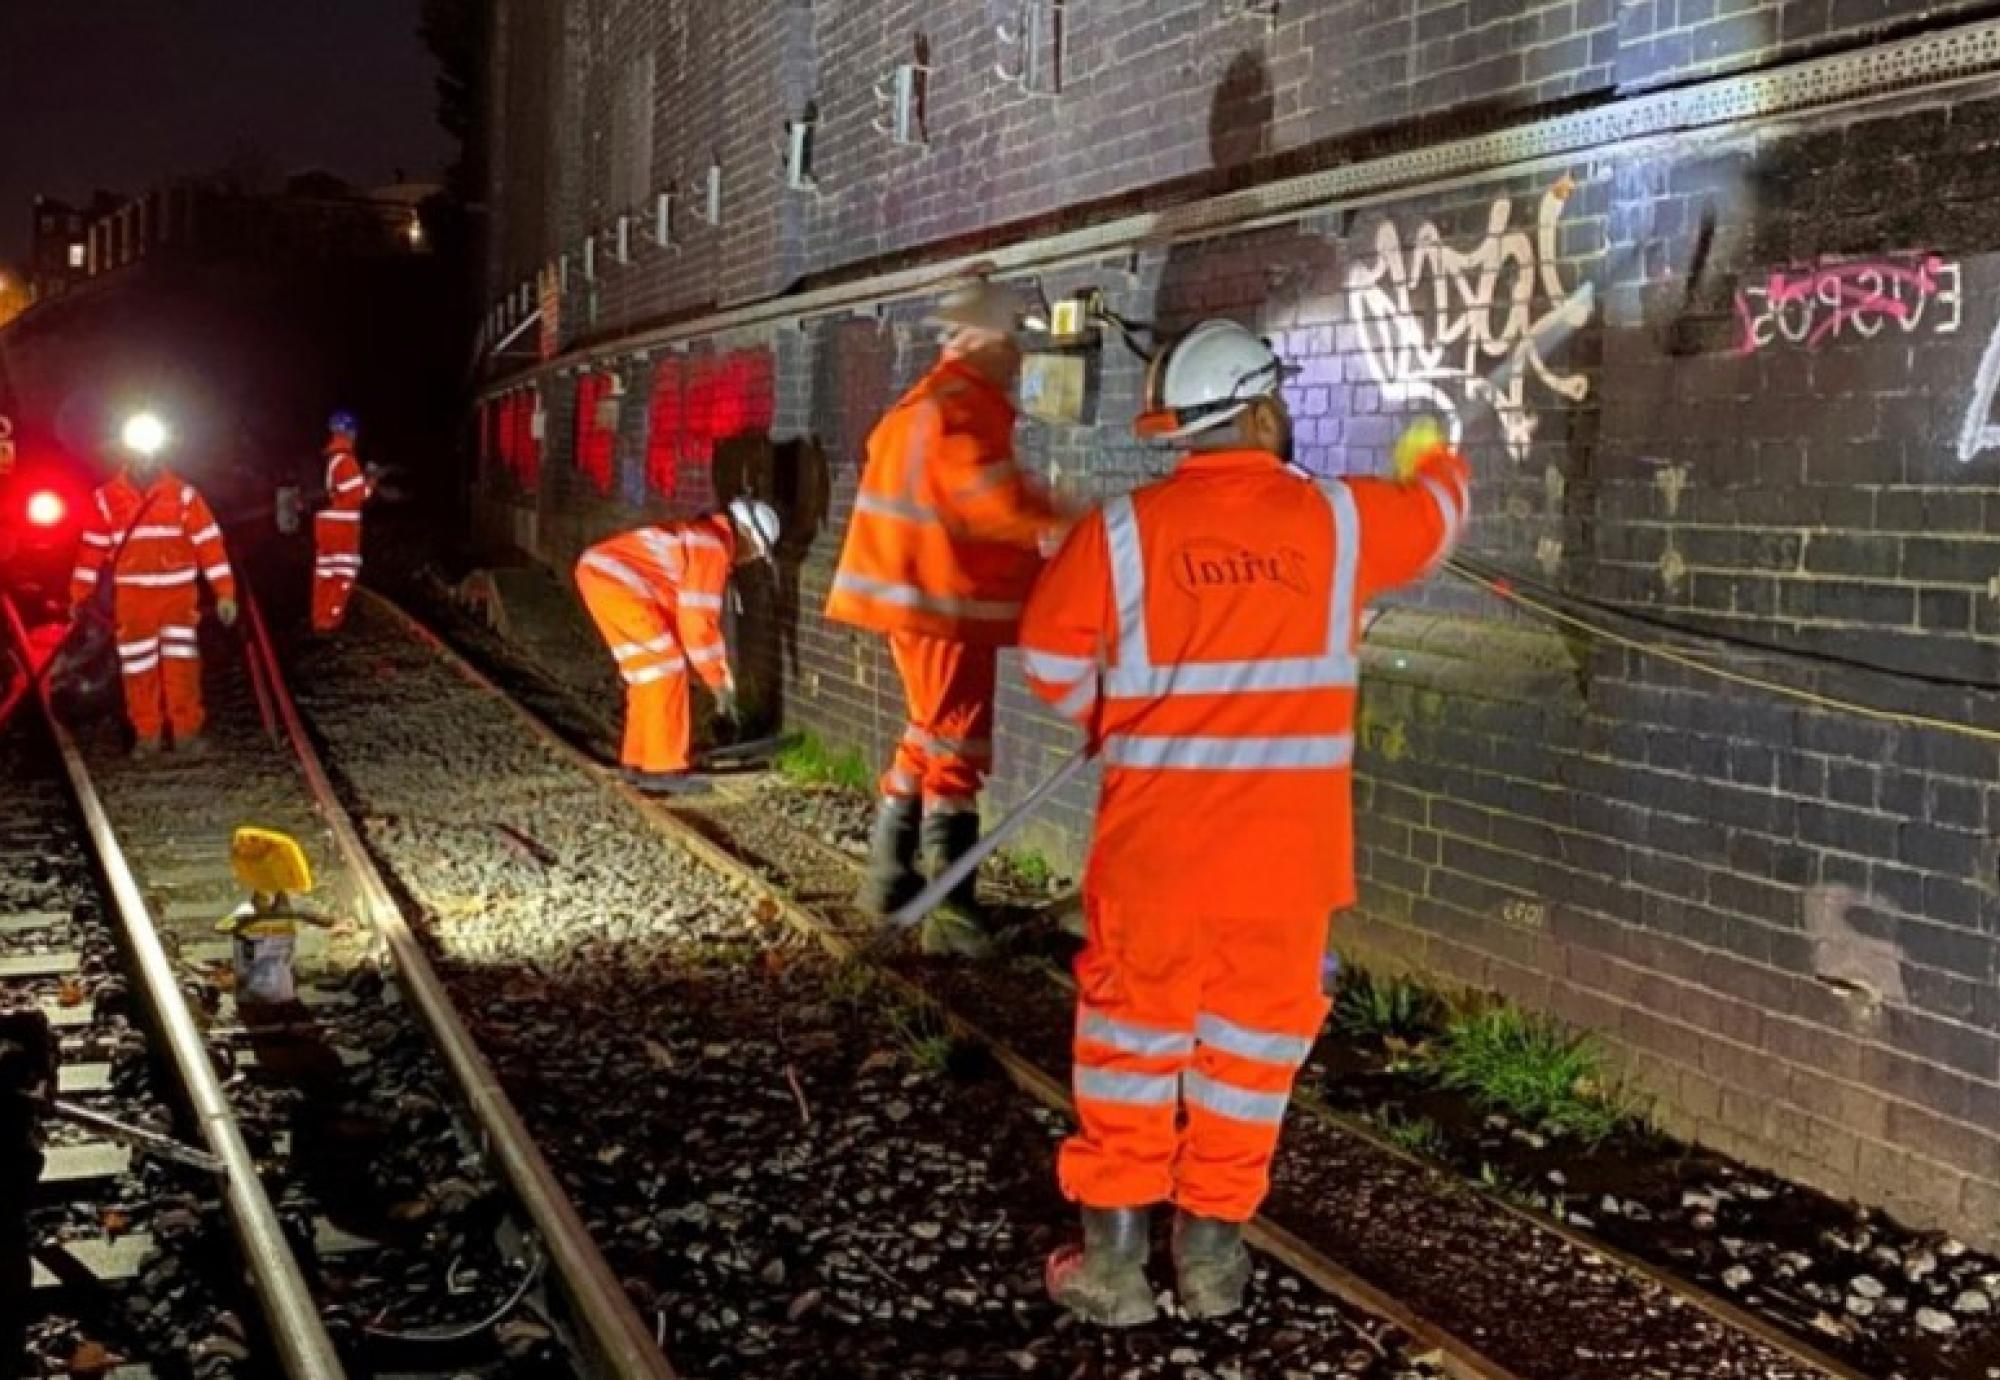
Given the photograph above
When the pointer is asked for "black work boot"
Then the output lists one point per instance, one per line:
(1104, 1280)
(955, 927)
(1212, 1263)
(892, 877)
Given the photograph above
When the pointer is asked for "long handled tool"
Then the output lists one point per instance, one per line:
(1556, 326)
(144, 1141)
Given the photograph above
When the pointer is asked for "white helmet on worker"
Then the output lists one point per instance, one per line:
(1207, 378)
(757, 523)
(977, 304)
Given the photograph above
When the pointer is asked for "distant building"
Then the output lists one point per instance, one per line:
(60, 252)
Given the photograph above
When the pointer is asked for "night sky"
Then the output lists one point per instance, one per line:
(123, 93)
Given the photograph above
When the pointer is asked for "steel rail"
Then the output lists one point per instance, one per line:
(1931, 64)
(305, 1350)
(1279, 1243)
(620, 1342)
(1460, 1357)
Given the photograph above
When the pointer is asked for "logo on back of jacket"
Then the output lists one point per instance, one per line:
(1209, 566)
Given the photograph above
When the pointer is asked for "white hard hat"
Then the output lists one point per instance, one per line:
(1206, 378)
(759, 520)
(977, 304)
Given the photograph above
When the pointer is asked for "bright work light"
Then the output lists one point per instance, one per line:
(145, 433)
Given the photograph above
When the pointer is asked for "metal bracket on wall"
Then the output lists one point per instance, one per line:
(712, 200)
(903, 93)
(590, 258)
(663, 221)
(1037, 38)
(797, 150)
(622, 240)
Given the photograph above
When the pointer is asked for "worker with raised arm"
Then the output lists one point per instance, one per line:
(656, 595)
(151, 536)
(1204, 632)
(940, 552)
(337, 526)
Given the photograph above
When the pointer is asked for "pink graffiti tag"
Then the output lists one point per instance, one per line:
(1811, 306)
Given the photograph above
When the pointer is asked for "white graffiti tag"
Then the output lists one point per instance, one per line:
(1434, 323)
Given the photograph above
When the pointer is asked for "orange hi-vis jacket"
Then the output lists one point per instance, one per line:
(945, 526)
(1204, 631)
(347, 486)
(173, 540)
(682, 568)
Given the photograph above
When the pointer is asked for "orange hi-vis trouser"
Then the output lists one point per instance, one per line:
(1189, 1032)
(159, 657)
(336, 565)
(947, 748)
(641, 634)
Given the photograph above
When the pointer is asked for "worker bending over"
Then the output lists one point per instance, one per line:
(940, 552)
(1203, 630)
(153, 537)
(337, 527)
(656, 595)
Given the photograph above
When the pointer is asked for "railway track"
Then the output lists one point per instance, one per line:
(1588, 1314)
(389, 1217)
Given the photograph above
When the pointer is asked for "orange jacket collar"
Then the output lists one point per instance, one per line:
(1228, 461)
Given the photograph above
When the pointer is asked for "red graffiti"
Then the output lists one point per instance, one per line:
(596, 443)
(1812, 306)
(699, 400)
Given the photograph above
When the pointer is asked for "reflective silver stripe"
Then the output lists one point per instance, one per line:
(140, 667)
(85, 574)
(1324, 752)
(1135, 1089)
(1060, 670)
(1336, 670)
(1133, 1039)
(1346, 567)
(349, 485)
(181, 653)
(188, 495)
(619, 571)
(1231, 1038)
(1454, 519)
(139, 648)
(648, 674)
(702, 540)
(164, 581)
(97, 539)
(663, 643)
(104, 506)
(218, 571)
(705, 655)
(1128, 581)
(208, 533)
(178, 633)
(951, 805)
(341, 514)
(154, 532)
(900, 780)
(1238, 1104)
(701, 601)
(665, 548)
(901, 509)
(1081, 699)
(909, 596)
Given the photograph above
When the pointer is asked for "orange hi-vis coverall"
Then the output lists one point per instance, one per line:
(161, 540)
(337, 537)
(1203, 630)
(939, 555)
(656, 596)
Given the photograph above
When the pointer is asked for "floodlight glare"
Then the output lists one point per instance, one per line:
(145, 434)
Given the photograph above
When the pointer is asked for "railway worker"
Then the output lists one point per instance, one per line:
(656, 596)
(940, 552)
(1203, 631)
(337, 527)
(154, 537)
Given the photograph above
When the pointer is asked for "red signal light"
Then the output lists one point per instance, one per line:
(46, 509)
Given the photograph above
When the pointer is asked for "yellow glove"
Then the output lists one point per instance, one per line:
(1414, 446)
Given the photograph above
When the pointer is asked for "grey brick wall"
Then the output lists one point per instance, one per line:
(1773, 431)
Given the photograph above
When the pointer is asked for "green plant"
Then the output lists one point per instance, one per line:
(1534, 1069)
(925, 1039)
(1382, 1008)
(810, 762)
(1417, 1135)
(852, 983)
(1031, 869)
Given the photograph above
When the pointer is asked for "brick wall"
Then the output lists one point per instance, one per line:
(1775, 438)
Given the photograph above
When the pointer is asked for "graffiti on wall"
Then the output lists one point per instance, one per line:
(1435, 322)
(1827, 302)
